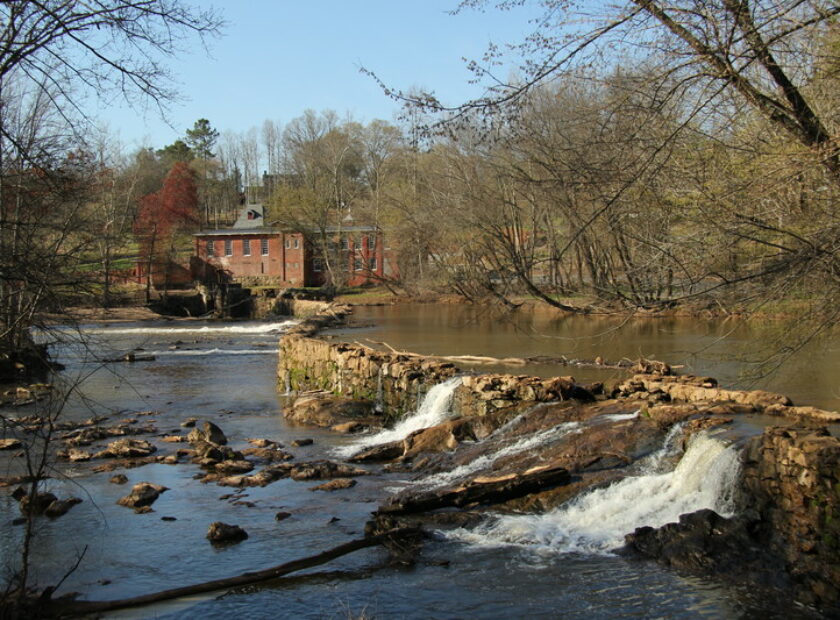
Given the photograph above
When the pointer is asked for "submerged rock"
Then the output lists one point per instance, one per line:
(321, 470)
(327, 410)
(220, 532)
(299, 443)
(142, 494)
(37, 505)
(118, 479)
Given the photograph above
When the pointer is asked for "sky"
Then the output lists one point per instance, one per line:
(278, 58)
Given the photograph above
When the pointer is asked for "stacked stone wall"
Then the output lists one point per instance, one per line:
(792, 478)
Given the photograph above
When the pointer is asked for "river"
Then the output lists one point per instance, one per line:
(226, 374)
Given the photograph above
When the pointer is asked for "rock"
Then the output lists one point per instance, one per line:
(440, 438)
(189, 422)
(384, 452)
(127, 448)
(39, 505)
(10, 444)
(299, 443)
(263, 443)
(173, 439)
(211, 434)
(142, 510)
(347, 428)
(74, 455)
(118, 479)
(269, 455)
(280, 516)
(480, 490)
(335, 485)
(220, 533)
(214, 434)
(234, 467)
(327, 410)
(168, 519)
(322, 470)
(142, 494)
(60, 507)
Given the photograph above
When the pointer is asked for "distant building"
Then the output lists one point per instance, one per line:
(253, 253)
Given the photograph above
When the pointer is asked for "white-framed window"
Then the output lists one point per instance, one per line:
(372, 263)
(358, 265)
(211, 248)
(371, 241)
(317, 265)
(297, 243)
(288, 243)
(264, 247)
(228, 247)
(246, 247)
(345, 243)
(357, 243)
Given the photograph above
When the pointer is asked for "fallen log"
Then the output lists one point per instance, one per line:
(479, 491)
(64, 608)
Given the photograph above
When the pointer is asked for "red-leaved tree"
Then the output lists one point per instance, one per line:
(163, 220)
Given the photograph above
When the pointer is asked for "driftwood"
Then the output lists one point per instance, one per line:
(479, 491)
(62, 608)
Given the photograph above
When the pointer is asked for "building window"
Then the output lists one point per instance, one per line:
(211, 248)
(228, 247)
(288, 243)
(358, 265)
(264, 247)
(297, 243)
(246, 247)
(357, 244)
(372, 264)
(371, 240)
(345, 243)
(317, 265)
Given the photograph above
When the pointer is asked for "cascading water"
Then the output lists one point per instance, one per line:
(486, 460)
(597, 521)
(433, 409)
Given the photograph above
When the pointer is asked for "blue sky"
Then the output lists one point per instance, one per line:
(277, 58)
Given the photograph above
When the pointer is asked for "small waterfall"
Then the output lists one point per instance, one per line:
(597, 521)
(433, 409)
(486, 460)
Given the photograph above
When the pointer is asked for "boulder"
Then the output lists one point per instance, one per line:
(210, 434)
(220, 533)
(269, 455)
(38, 505)
(441, 438)
(60, 507)
(118, 479)
(327, 411)
(142, 494)
(299, 443)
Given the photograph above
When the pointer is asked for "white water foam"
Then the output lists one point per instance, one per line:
(258, 328)
(214, 351)
(434, 409)
(597, 521)
(486, 460)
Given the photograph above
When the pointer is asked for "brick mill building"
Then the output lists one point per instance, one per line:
(255, 254)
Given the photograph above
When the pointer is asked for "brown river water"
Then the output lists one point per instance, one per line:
(226, 373)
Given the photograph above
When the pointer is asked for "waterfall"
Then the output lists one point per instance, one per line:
(485, 461)
(597, 521)
(379, 406)
(433, 409)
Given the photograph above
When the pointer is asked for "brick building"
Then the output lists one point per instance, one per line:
(252, 253)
